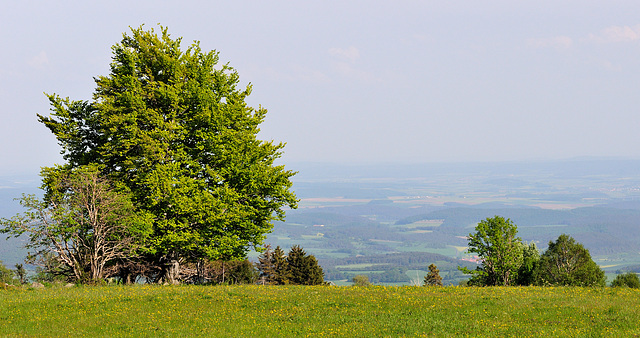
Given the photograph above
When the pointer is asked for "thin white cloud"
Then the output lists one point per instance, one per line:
(347, 70)
(554, 42)
(39, 61)
(617, 34)
(344, 64)
(352, 53)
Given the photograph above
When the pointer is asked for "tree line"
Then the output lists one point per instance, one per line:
(273, 268)
(504, 260)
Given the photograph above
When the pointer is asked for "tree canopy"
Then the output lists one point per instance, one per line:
(303, 268)
(567, 262)
(499, 251)
(530, 259)
(173, 127)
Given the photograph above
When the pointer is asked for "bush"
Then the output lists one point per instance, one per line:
(361, 280)
(629, 279)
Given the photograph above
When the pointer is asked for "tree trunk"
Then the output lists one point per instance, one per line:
(172, 270)
(222, 272)
(200, 272)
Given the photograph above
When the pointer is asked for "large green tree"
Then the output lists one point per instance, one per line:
(174, 127)
(499, 250)
(567, 262)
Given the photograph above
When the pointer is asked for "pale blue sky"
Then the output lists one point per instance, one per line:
(360, 81)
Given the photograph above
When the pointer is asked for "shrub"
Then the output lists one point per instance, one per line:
(361, 280)
(629, 279)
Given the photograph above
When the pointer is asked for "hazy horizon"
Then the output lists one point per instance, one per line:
(360, 82)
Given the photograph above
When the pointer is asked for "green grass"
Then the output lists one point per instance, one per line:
(266, 311)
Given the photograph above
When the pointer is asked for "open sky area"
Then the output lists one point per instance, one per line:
(359, 81)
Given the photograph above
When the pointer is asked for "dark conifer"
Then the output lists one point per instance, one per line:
(303, 268)
(433, 277)
(266, 267)
(282, 274)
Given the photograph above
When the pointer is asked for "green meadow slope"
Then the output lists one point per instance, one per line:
(266, 311)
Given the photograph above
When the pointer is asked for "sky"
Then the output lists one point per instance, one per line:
(359, 81)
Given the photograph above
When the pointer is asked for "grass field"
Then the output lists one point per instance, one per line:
(267, 311)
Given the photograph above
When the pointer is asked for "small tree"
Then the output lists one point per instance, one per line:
(84, 223)
(629, 279)
(243, 272)
(567, 262)
(433, 277)
(266, 266)
(21, 273)
(282, 273)
(500, 252)
(361, 280)
(303, 268)
(273, 267)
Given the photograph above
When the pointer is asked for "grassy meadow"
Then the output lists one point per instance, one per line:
(282, 311)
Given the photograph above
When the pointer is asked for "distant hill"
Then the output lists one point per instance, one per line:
(12, 187)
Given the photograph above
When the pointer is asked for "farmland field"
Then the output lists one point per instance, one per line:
(267, 311)
(361, 213)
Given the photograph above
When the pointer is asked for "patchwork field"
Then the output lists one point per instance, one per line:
(353, 215)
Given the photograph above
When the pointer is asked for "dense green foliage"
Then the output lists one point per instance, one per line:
(172, 128)
(629, 279)
(499, 251)
(530, 259)
(317, 311)
(303, 268)
(567, 262)
(504, 260)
